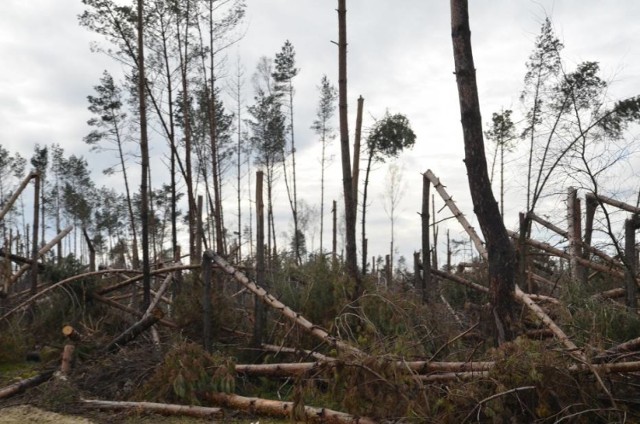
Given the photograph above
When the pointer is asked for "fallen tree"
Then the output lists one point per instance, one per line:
(276, 408)
(156, 408)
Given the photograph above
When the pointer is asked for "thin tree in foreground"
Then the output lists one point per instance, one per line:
(501, 255)
(322, 126)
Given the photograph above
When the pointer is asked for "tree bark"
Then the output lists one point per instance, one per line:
(135, 330)
(425, 281)
(144, 160)
(36, 222)
(159, 408)
(349, 208)
(287, 312)
(278, 408)
(501, 256)
(259, 324)
(356, 157)
(22, 385)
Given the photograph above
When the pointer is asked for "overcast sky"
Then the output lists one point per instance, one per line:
(400, 59)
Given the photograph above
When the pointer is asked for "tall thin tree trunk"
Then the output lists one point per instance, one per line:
(364, 213)
(501, 256)
(172, 141)
(144, 153)
(36, 221)
(296, 239)
(193, 223)
(349, 209)
(260, 313)
(213, 123)
(356, 158)
(425, 286)
(239, 154)
(334, 243)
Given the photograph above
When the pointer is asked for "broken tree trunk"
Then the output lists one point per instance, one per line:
(276, 408)
(425, 286)
(561, 254)
(25, 384)
(92, 250)
(622, 205)
(448, 200)
(156, 408)
(43, 250)
(67, 359)
(135, 330)
(574, 232)
(418, 367)
(284, 309)
(9, 203)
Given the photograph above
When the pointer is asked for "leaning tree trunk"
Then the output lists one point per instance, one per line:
(501, 256)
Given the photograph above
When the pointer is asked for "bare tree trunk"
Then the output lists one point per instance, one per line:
(191, 215)
(144, 153)
(574, 232)
(356, 158)
(364, 212)
(334, 243)
(260, 321)
(434, 262)
(425, 286)
(92, 250)
(151, 407)
(207, 274)
(501, 256)
(34, 244)
(349, 208)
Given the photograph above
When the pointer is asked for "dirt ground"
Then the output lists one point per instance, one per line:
(27, 414)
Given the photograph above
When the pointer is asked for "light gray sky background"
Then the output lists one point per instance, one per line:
(400, 59)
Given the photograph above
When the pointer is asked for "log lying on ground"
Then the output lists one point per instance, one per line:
(156, 408)
(419, 367)
(276, 408)
(22, 385)
(287, 312)
(302, 352)
(135, 330)
(551, 325)
(626, 347)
